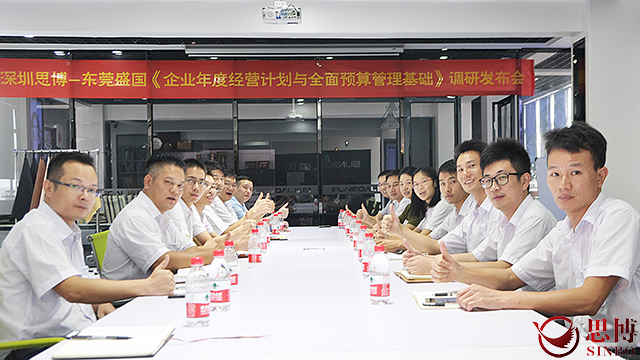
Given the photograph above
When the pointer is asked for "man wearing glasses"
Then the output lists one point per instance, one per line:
(522, 221)
(185, 214)
(45, 287)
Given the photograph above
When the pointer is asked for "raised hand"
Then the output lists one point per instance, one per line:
(411, 252)
(161, 281)
(444, 267)
(390, 223)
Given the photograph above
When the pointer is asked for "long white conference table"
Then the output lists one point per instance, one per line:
(309, 300)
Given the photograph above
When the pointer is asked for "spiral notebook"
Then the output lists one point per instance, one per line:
(115, 342)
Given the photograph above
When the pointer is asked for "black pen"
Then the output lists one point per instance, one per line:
(99, 337)
(450, 293)
(433, 304)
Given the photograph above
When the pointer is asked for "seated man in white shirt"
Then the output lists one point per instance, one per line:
(397, 201)
(591, 259)
(221, 204)
(187, 217)
(142, 234)
(45, 289)
(523, 221)
(453, 193)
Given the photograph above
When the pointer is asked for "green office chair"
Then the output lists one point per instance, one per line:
(30, 343)
(99, 246)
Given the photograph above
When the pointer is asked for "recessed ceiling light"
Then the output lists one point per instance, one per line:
(214, 58)
(329, 57)
(451, 97)
(444, 49)
(444, 57)
(29, 36)
(300, 100)
(536, 79)
(59, 53)
(117, 52)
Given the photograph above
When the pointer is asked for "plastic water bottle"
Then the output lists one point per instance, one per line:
(360, 240)
(231, 258)
(379, 289)
(355, 234)
(263, 231)
(275, 226)
(197, 294)
(367, 252)
(341, 219)
(220, 282)
(255, 250)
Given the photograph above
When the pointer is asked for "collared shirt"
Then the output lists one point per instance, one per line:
(209, 214)
(436, 215)
(454, 219)
(239, 208)
(187, 219)
(398, 206)
(39, 253)
(473, 229)
(606, 242)
(225, 213)
(385, 210)
(513, 238)
(139, 235)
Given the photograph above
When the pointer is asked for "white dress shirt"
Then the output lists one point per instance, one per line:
(399, 206)
(473, 229)
(606, 242)
(187, 219)
(225, 212)
(513, 238)
(39, 253)
(209, 214)
(435, 215)
(139, 235)
(454, 218)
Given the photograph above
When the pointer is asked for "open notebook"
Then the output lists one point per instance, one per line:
(143, 341)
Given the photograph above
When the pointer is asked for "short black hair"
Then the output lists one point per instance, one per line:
(56, 164)
(394, 172)
(448, 166)
(212, 166)
(418, 206)
(195, 163)
(243, 177)
(469, 145)
(157, 161)
(229, 173)
(408, 170)
(384, 173)
(507, 149)
(578, 136)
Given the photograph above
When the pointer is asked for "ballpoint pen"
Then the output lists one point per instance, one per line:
(450, 293)
(433, 304)
(99, 337)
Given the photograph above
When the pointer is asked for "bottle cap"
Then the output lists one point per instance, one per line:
(197, 260)
(368, 234)
(341, 210)
(379, 248)
(254, 230)
(358, 221)
(363, 227)
(217, 253)
(228, 243)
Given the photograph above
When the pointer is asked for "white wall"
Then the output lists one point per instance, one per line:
(445, 132)
(613, 90)
(321, 18)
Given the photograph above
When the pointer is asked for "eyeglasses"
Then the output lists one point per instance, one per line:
(79, 189)
(192, 181)
(501, 179)
(422, 183)
(230, 185)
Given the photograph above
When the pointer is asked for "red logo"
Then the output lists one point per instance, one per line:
(562, 342)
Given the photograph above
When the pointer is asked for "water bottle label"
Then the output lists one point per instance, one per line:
(275, 231)
(233, 274)
(360, 253)
(220, 291)
(197, 305)
(255, 258)
(234, 279)
(365, 266)
(263, 245)
(379, 286)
